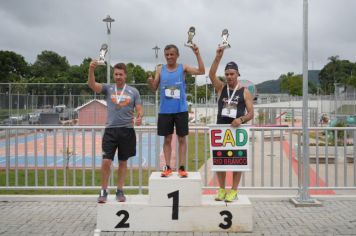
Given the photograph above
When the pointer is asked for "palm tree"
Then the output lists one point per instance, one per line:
(334, 62)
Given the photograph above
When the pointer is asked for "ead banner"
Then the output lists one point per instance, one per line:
(229, 148)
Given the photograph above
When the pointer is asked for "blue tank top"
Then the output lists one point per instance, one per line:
(172, 91)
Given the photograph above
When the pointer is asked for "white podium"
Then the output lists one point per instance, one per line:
(175, 204)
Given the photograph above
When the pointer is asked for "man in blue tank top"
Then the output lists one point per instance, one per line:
(173, 111)
(235, 107)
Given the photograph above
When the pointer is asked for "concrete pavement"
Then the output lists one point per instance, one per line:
(76, 215)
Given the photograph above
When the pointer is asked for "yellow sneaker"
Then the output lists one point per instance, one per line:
(221, 195)
(231, 196)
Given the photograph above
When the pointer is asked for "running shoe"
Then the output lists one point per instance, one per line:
(120, 197)
(103, 196)
(182, 173)
(221, 195)
(231, 196)
(166, 171)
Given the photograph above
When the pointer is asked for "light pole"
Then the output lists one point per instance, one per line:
(45, 98)
(195, 99)
(304, 195)
(27, 108)
(70, 104)
(32, 94)
(336, 96)
(108, 21)
(55, 98)
(64, 89)
(304, 198)
(206, 99)
(156, 48)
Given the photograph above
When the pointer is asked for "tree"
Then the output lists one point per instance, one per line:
(138, 76)
(352, 81)
(352, 77)
(336, 71)
(130, 74)
(49, 65)
(13, 67)
(201, 92)
(292, 84)
(312, 88)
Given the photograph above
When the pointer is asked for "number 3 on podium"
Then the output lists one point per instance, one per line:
(175, 213)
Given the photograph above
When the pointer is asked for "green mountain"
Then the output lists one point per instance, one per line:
(269, 86)
(273, 86)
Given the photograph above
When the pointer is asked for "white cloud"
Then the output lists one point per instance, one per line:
(266, 36)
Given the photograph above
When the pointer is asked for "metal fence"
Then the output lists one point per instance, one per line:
(69, 157)
(19, 101)
(53, 157)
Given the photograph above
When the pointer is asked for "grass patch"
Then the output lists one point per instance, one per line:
(196, 159)
(71, 177)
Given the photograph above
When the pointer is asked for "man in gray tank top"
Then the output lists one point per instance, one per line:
(122, 101)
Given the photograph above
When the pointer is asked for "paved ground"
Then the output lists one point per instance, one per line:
(76, 215)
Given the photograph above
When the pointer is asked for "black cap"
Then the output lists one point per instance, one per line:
(231, 65)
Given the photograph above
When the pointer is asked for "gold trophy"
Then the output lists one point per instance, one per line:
(191, 33)
(103, 51)
(224, 35)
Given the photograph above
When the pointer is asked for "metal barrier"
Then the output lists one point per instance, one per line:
(23, 100)
(59, 157)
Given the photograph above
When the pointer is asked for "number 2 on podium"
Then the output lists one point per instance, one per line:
(175, 211)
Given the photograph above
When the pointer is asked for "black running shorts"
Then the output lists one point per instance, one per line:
(166, 123)
(120, 138)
